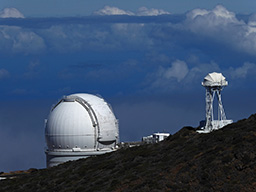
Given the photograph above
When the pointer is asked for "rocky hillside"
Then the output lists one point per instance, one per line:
(224, 160)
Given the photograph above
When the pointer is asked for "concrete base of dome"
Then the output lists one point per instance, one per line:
(54, 158)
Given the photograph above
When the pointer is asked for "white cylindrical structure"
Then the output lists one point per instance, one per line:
(78, 126)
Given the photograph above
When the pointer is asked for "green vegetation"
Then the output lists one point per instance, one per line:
(224, 160)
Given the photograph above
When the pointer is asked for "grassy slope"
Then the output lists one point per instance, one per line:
(224, 160)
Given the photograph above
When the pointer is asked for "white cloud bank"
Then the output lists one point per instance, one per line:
(143, 11)
(167, 77)
(19, 40)
(217, 25)
(179, 74)
(107, 10)
(202, 33)
(178, 71)
(224, 27)
(11, 13)
(219, 13)
(244, 71)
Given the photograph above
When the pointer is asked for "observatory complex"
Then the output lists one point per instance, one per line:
(214, 83)
(79, 126)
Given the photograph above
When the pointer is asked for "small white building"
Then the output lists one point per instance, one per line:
(155, 138)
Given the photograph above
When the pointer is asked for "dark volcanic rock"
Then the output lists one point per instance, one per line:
(224, 160)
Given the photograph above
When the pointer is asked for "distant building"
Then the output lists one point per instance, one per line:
(155, 138)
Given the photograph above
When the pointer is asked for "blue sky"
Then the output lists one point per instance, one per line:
(146, 58)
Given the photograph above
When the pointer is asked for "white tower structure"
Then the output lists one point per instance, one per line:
(79, 126)
(214, 83)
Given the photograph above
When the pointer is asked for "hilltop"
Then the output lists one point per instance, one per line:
(224, 160)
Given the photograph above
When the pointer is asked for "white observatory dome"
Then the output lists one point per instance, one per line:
(78, 126)
(214, 79)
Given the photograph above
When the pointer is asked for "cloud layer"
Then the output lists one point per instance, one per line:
(143, 11)
(174, 49)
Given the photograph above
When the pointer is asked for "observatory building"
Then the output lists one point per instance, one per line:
(214, 83)
(79, 126)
